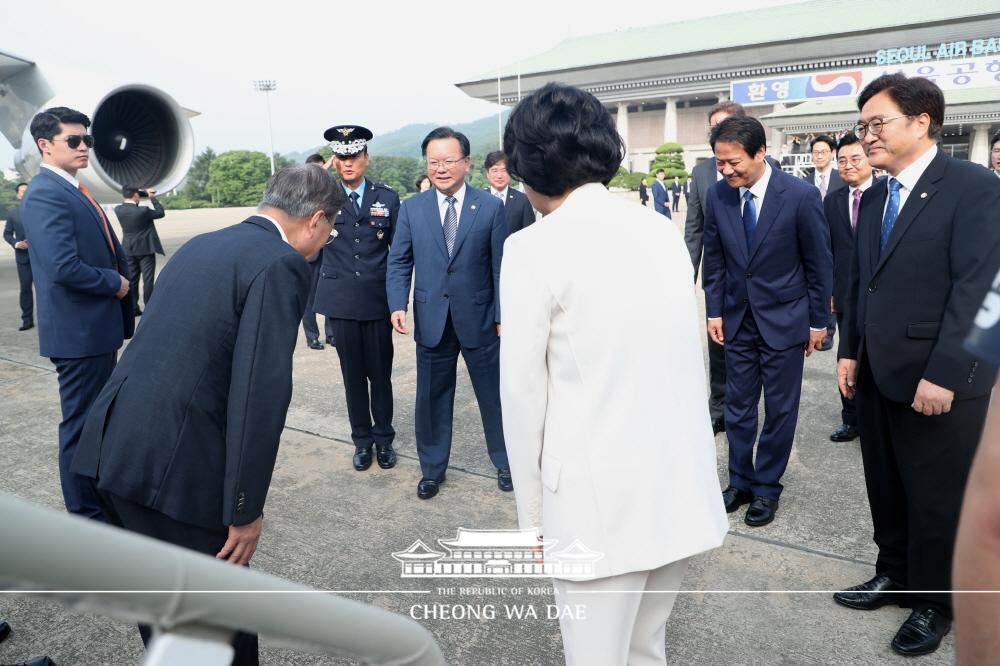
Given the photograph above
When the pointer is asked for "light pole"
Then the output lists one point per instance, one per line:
(267, 86)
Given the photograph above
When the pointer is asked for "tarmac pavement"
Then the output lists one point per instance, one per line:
(762, 598)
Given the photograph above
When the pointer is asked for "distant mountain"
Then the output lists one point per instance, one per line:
(405, 141)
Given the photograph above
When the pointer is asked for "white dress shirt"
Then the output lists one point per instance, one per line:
(62, 174)
(909, 176)
(276, 225)
(851, 190)
(443, 205)
(500, 194)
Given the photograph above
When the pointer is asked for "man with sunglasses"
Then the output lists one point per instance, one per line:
(927, 249)
(351, 293)
(80, 269)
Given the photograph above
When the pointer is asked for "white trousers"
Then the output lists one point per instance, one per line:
(602, 628)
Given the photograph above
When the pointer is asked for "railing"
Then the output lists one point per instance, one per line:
(193, 601)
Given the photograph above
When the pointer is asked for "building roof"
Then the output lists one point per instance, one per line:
(492, 539)
(805, 20)
(418, 550)
(849, 104)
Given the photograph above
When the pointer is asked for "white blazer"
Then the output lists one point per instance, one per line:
(602, 385)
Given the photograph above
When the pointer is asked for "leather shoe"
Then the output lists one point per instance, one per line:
(38, 661)
(504, 481)
(385, 456)
(734, 498)
(329, 341)
(315, 344)
(27, 326)
(845, 433)
(362, 458)
(4, 630)
(428, 488)
(827, 344)
(761, 511)
(921, 633)
(718, 425)
(868, 596)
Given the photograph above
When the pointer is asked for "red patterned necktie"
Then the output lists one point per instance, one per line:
(104, 219)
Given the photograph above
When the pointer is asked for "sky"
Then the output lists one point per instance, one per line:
(381, 63)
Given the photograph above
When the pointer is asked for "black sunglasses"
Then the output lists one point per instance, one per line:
(73, 140)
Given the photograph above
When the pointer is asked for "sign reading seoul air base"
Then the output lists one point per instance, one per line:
(981, 72)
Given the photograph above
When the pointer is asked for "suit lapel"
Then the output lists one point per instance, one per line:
(870, 220)
(774, 199)
(730, 201)
(94, 215)
(433, 215)
(842, 199)
(922, 193)
(466, 220)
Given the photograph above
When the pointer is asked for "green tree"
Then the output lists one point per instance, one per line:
(237, 177)
(7, 198)
(670, 158)
(196, 186)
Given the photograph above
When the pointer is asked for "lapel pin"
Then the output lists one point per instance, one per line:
(473, 207)
(923, 195)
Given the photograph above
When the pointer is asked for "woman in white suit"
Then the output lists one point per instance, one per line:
(602, 384)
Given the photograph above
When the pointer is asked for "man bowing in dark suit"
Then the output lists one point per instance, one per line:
(140, 240)
(841, 208)
(80, 273)
(767, 276)
(927, 248)
(452, 236)
(13, 233)
(517, 208)
(182, 440)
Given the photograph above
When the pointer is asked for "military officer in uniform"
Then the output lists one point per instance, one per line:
(351, 293)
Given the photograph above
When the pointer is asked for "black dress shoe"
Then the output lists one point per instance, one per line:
(315, 344)
(385, 456)
(4, 630)
(761, 511)
(734, 498)
(827, 344)
(38, 661)
(871, 595)
(362, 458)
(428, 488)
(844, 433)
(718, 425)
(330, 341)
(921, 633)
(26, 326)
(504, 481)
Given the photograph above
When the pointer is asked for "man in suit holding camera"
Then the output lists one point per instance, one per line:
(140, 239)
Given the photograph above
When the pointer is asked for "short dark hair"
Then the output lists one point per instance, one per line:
(20, 185)
(421, 178)
(847, 140)
(823, 138)
(734, 109)
(560, 137)
(446, 133)
(129, 191)
(493, 158)
(913, 95)
(746, 131)
(46, 125)
(315, 158)
(996, 137)
(659, 171)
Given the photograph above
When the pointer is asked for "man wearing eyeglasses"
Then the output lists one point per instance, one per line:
(516, 206)
(841, 207)
(995, 154)
(79, 268)
(351, 293)
(452, 237)
(927, 248)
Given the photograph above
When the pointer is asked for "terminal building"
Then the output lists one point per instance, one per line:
(799, 68)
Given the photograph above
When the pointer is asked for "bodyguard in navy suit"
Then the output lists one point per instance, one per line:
(79, 269)
(661, 199)
(13, 233)
(452, 236)
(182, 440)
(767, 276)
(516, 206)
(351, 293)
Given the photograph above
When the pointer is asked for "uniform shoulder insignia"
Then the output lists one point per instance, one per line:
(384, 186)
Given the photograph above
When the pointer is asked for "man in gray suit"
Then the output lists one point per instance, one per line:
(140, 240)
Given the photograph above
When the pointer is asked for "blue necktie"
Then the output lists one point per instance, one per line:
(450, 224)
(749, 217)
(891, 213)
(354, 200)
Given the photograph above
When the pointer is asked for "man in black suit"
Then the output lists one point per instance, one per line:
(181, 442)
(841, 208)
(13, 233)
(643, 192)
(309, 324)
(826, 179)
(927, 247)
(675, 194)
(140, 240)
(517, 208)
(703, 176)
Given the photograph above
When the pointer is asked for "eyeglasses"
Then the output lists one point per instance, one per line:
(874, 126)
(447, 164)
(995, 151)
(73, 140)
(496, 171)
(855, 161)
